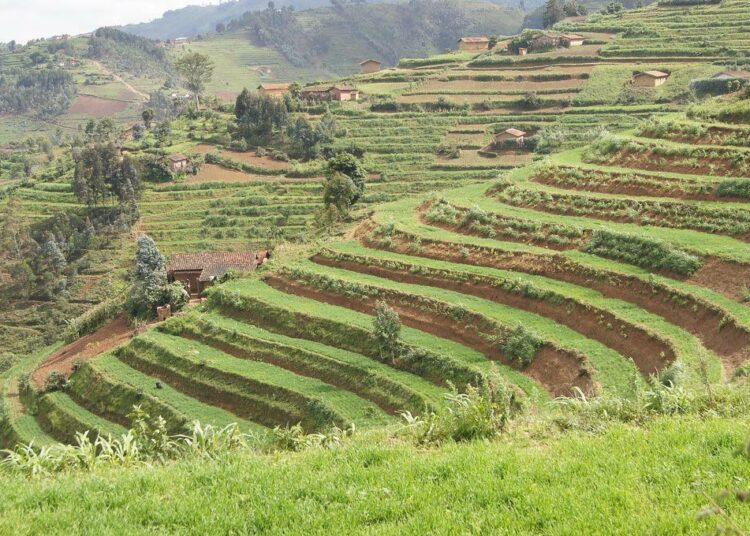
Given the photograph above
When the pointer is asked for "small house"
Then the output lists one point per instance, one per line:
(523, 51)
(178, 163)
(274, 90)
(344, 93)
(474, 43)
(198, 271)
(338, 92)
(316, 92)
(650, 78)
(730, 75)
(571, 40)
(370, 66)
(181, 41)
(512, 134)
(543, 41)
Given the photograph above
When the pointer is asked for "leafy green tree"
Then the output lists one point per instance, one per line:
(349, 165)
(340, 192)
(553, 13)
(386, 328)
(163, 133)
(149, 279)
(148, 116)
(197, 70)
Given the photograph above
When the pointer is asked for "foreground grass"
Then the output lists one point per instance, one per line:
(649, 480)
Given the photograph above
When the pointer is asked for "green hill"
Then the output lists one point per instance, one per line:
(577, 291)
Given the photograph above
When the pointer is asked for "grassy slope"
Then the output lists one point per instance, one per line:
(661, 477)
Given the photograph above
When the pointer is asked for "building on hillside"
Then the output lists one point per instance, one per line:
(650, 78)
(543, 41)
(571, 40)
(370, 66)
(728, 75)
(274, 90)
(178, 163)
(501, 138)
(181, 41)
(198, 271)
(474, 43)
(344, 93)
(337, 92)
(522, 51)
(61, 37)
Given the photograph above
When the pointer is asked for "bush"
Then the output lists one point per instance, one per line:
(386, 328)
(521, 346)
(644, 252)
(476, 414)
(55, 381)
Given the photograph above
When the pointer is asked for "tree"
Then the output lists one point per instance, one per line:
(553, 13)
(15, 236)
(386, 328)
(348, 165)
(197, 70)
(148, 116)
(221, 28)
(613, 8)
(149, 279)
(340, 192)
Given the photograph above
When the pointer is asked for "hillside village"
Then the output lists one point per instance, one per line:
(529, 251)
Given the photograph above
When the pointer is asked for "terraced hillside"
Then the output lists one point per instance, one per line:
(618, 257)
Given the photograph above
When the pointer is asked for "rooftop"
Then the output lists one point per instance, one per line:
(653, 74)
(213, 264)
(475, 39)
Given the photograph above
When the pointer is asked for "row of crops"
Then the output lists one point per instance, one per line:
(587, 271)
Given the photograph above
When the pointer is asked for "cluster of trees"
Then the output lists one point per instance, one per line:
(46, 92)
(43, 257)
(101, 176)
(128, 52)
(557, 10)
(261, 119)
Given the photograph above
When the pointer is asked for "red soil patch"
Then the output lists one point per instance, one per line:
(708, 322)
(255, 160)
(648, 352)
(558, 371)
(96, 106)
(227, 96)
(727, 277)
(111, 335)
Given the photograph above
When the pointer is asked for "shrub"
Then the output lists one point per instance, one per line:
(386, 328)
(55, 381)
(644, 252)
(522, 345)
(475, 414)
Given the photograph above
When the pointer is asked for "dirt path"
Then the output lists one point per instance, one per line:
(117, 77)
(111, 335)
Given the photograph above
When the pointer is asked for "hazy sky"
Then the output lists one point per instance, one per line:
(27, 19)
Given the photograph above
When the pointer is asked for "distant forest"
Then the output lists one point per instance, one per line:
(46, 92)
(389, 30)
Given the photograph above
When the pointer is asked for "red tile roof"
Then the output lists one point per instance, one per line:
(213, 263)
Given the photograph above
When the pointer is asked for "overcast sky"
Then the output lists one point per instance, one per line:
(27, 19)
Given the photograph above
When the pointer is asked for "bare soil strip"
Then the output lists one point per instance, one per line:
(558, 371)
